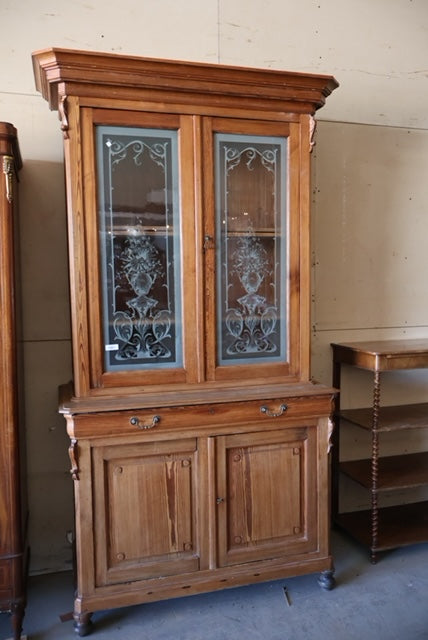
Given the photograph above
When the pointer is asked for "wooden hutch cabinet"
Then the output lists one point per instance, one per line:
(199, 445)
(12, 449)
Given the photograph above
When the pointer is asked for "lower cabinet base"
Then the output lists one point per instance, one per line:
(210, 497)
(206, 581)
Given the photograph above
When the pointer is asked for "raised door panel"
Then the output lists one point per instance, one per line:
(146, 510)
(267, 504)
(254, 255)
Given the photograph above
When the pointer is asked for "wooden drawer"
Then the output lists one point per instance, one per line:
(161, 419)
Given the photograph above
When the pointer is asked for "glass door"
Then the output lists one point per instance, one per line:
(139, 239)
(140, 226)
(251, 248)
(250, 263)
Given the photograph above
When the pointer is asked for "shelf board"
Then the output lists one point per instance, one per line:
(394, 418)
(395, 472)
(399, 526)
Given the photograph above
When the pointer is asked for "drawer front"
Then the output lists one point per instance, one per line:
(187, 417)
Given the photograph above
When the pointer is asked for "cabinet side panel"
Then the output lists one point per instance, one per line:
(77, 247)
(13, 498)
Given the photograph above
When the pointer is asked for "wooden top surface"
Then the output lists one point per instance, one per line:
(383, 355)
(187, 396)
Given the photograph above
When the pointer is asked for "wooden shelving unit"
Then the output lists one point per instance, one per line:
(393, 526)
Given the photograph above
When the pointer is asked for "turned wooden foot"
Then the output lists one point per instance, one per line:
(82, 623)
(17, 616)
(326, 580)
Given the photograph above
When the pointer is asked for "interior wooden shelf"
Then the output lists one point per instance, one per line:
(393, 418)
(392, 533)
(395, 472)
(259, 231)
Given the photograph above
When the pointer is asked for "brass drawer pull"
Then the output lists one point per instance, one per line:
(272, 414)
(136, 422)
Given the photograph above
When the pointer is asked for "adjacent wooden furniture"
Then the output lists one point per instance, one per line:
(199, 446)
(12, 448)
(388, 527)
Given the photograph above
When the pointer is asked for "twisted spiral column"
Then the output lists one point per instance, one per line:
(375, 468)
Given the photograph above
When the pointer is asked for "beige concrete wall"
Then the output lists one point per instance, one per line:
(369, 198)
(369, 242)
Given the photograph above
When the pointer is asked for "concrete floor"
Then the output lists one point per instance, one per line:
(386, 601)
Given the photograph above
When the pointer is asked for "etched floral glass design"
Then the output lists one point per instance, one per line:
(251, 248)
(140, 249)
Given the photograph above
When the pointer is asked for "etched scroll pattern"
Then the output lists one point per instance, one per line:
(250, 324)
(142, 330)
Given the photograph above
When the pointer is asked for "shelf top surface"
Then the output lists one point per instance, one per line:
(383, 355)
(391, 418)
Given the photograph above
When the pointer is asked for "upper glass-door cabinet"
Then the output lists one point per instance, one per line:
(188, 218)
(144, 258)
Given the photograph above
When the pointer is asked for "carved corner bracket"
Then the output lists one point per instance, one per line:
(72, 453)
(312, 130)
(8, 170)
(330, 434)
(63, 116)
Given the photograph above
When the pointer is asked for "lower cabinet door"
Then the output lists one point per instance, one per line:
(152, 502)
(267, 494)
(145, 501)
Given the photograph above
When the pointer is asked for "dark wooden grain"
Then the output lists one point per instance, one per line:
(12, 444)
(393, 418)
(392, 533)
(395, 472)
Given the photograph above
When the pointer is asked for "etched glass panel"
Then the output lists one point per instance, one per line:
(140, 248)
(251, 248)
